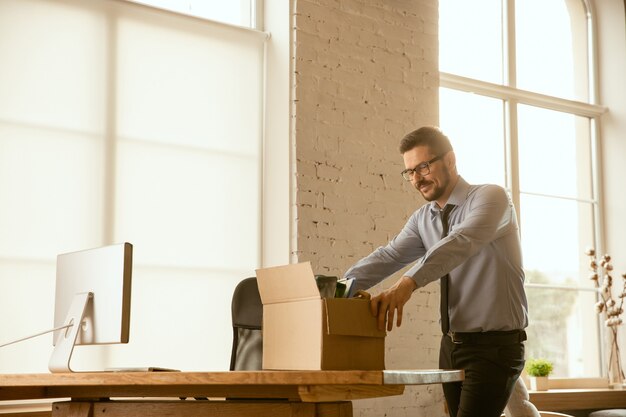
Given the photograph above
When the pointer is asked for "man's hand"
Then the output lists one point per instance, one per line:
(385, 304)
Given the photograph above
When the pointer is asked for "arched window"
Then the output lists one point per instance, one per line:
(517, 99)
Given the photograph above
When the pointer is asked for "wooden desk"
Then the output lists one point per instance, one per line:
(578, 399)
(258, 393)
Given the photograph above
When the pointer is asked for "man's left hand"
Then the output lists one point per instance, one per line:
(385, 304)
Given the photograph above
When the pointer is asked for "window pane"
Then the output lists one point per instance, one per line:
(188, 209)
(187, 291)
(26, 303)
(554, 153)
(53, 82)
(474, 125)
(51, 203)
(470, 39)
(551, 47)
(555, 233)
(189, 83)
(239, 12)
(563, 328)
(52, 90)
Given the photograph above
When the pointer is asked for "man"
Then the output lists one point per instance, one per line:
(468, 236)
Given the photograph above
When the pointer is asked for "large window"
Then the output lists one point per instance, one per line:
(121, 122)
(517, 101)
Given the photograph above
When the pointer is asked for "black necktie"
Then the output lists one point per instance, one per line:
(445, 280)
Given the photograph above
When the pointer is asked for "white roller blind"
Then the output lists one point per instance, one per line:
(119, 122)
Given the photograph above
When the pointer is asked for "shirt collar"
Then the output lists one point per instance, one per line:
(457, 197)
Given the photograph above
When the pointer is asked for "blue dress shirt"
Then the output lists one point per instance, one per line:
(481, 253)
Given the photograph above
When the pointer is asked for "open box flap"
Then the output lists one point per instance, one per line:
(287, 283)
(351, 317)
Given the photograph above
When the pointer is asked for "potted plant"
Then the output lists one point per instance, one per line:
(538, 370)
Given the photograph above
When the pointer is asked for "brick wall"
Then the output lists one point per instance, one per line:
(365, 73)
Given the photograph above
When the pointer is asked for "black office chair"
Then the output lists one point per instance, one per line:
(247, 318)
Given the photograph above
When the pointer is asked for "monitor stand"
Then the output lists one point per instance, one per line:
(62, 353)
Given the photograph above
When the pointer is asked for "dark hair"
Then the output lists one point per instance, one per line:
(430, 136)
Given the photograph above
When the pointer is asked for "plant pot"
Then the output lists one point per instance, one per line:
(539, 383)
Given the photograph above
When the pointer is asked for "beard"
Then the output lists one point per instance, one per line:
(436, 191)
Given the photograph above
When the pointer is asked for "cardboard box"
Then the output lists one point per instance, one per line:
(302, 331)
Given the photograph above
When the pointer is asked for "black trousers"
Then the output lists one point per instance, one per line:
(491, 371)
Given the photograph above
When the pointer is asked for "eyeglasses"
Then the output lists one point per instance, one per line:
(422, 169)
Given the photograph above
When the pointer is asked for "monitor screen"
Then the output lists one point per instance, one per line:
(106, 273)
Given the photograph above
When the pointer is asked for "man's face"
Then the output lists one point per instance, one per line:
(434, 185)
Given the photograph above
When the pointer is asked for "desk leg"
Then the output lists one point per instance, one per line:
(189, 408)
(72, 409)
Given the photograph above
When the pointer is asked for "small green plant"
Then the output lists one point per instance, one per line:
(538, 367)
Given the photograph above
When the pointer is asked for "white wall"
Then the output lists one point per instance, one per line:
(365, 74)
(611, 31)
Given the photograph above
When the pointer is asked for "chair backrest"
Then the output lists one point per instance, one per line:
(247, 319)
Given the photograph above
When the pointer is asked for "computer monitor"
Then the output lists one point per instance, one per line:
(92, 288)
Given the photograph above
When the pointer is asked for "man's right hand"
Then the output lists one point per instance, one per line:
(390, 302)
